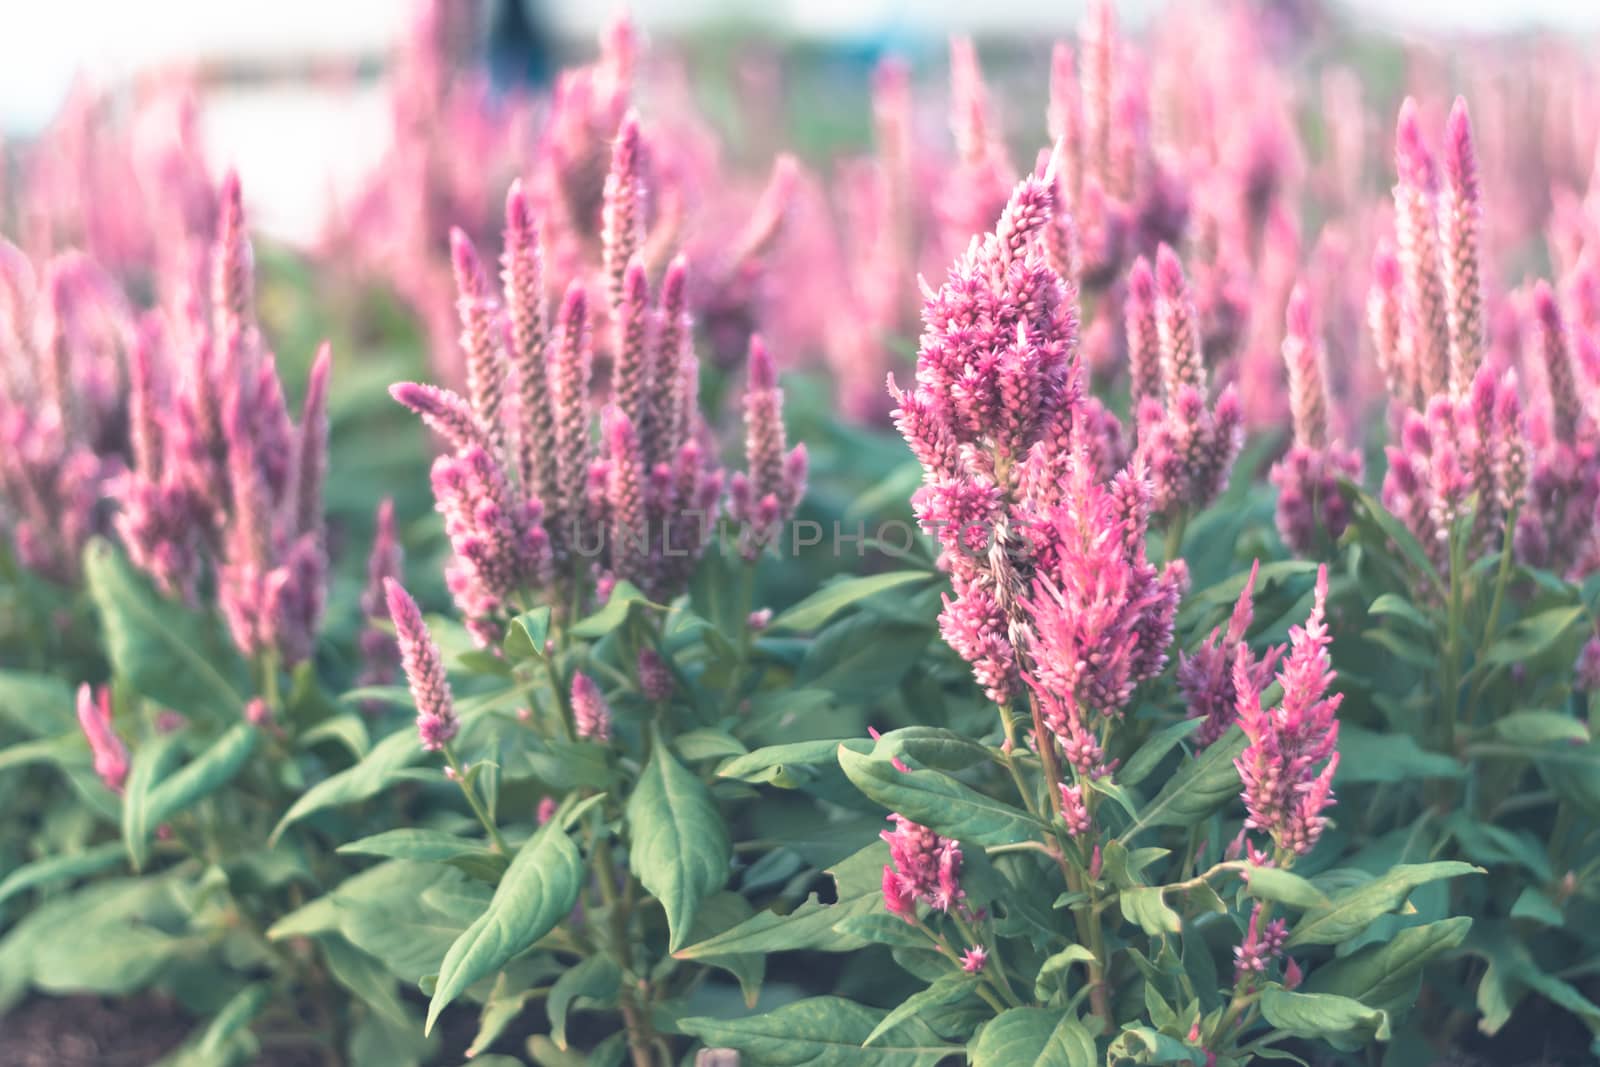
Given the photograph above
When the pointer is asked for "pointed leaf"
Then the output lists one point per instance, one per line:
(681, 852)
(940, 802)
(816, 609)
(822, 1032)
(538, 891)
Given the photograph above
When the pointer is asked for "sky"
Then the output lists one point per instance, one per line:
(297, 141)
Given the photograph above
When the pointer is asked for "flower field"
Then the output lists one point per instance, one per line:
(1008, 554)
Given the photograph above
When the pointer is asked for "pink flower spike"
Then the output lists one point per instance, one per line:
(591, 715)
(446, 413)
(424, 668)
(1462, 223)
(622, 217)
(311, 446)
(973, 960)
(110, 755)
(480, 341)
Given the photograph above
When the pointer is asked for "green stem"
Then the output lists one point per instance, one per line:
(1502, 577)
(474, 802)
(1175, 531)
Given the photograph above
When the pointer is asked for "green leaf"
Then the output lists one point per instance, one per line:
(154, 799)
(528, 633)
(39, 705)
(1349, 913)
(773, 765)
(1203, 785)
(595, 979)
(162, 650)
(1150, 754)
(149, 765)
(624, 595)
(538, 891)
(235, 1016)
(1057, 965)
(1033, 1037)
(65, 751)
(1532, 903)
(813, 925)
(1147, 906)
(681, 852)
(1533, 728)
(822, 1032)
(54, 869)
(946, 989)
(1385, 975)
(1401, 608)
(1534, 636)
(1396, 532)
(1341, 1021)
(939, 802)
(499, 1012)
(349, 730)
(365, 779)
(412, 844)
(1281, 887)
(1370, 756)
(815, 610)
(1141, 1044)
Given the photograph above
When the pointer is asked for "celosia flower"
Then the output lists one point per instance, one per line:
(591, 715)
(1462, 223)
(1288, 766)
(1187, 448)
(1262, 944)
(1586, 671)
(924, 868)
(1416, 202)
(974, 959)
(528, 338)
(110, 754)
(1074, 811)
(481, 342)
(380, 655)
(655, 676)
(424, 668)
(1206, 678)
(1144, 340)
(1311, 510)
(764, 497)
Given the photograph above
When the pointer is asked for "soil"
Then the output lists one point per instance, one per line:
(100, 1032)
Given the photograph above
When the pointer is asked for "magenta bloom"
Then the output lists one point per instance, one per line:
(1288, 767)
(591, 715)
(110, 754)
(424, 667)
(1262, 944)
(924, 868)
(974, 959)
(764, 497)
(1206, 678)
(1312, 513)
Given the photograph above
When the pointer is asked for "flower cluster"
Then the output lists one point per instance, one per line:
(763, 498)
(1187, 447)
(531, 504)
(923, 868)
(1311, 510)
(1288, 766)
(437, 722)
(63, 417)
(110, 754)
(380, 653)
(1206, 676)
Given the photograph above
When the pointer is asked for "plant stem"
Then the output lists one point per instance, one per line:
(636, 1023)
(1174, 543)
(1502, 577)
(473, 802)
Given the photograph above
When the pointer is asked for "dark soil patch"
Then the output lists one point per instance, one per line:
(101, 1032)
